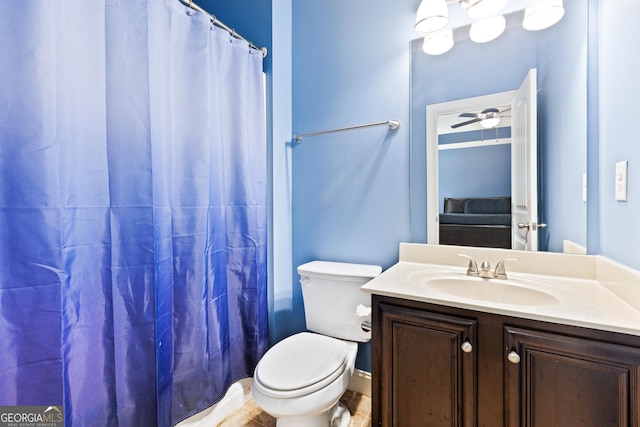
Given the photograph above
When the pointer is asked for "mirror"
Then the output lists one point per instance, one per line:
(471, 70)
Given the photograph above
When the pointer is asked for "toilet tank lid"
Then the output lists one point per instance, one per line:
(346, 270)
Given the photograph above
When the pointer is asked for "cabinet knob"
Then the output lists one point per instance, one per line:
(513, 357)
(466, 347)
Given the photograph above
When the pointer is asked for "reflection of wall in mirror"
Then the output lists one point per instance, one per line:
(473, 170)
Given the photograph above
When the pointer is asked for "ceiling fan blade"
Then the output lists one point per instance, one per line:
(490, 110)
(476, 115)
(468, 122)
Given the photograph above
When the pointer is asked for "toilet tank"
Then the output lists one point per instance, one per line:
(334, 305)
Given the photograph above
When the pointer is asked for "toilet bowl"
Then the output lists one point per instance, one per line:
(301, 379)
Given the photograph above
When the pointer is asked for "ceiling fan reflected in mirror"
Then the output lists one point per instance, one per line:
(488, 118)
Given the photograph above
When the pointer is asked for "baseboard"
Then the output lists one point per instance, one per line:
(237, 395)
(361, 382)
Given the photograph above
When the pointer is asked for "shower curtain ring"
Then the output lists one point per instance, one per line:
(191, 10)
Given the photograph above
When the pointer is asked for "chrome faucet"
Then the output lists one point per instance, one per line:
(500, 272)
(472, 268)
(485, 268)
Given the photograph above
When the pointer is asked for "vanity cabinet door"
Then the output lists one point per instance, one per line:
(427, 368)
(554, 380)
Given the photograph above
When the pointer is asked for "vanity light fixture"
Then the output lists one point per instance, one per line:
(483, 8)
(487, 20)
(543, 15)
(487, 29)
(438, 43)
(432, 16)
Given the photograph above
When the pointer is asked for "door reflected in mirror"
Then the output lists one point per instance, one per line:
(484, 189)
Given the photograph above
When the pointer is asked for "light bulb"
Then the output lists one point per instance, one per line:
(487, 29)
(543, 15)
(438, 43)
(432, 16)
(490, 123)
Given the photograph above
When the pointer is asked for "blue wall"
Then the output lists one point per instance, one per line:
(618, 139)
(351, 189)
(562, 126)
(481, 171)
(349, 63)
(356, 195)
(475, 172)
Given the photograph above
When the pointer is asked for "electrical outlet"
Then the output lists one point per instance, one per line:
(621, 181)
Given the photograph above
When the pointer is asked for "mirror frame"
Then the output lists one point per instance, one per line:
(433, 112)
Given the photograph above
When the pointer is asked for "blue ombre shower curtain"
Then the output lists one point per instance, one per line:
(133, 210)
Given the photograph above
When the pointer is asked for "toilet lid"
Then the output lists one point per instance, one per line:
(301, 361)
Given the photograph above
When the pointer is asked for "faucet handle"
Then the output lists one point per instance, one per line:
(472, 268)
(500, 272)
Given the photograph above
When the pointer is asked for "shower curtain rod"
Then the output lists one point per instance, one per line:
(218, 23)
(393, 125)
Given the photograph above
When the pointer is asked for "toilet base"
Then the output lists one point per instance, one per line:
(341, 416)
(338, 416)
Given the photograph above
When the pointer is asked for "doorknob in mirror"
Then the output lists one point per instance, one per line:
(532, 225)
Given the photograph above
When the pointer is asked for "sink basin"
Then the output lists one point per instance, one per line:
(493, 290)
(509, 291)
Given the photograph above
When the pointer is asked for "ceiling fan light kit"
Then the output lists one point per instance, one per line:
(488, 118)
(432, 18)
(490, 123)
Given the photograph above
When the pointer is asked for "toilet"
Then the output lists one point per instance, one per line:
(300, 380)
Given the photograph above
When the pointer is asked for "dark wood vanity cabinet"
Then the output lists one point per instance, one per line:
(432, 364)
(443, 366)
(556, 380)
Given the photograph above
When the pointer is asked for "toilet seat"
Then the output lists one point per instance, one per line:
(300, 364)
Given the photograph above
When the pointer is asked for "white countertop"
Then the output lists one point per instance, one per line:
(592, 292)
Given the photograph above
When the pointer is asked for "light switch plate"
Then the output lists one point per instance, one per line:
(584, 187)
(621, 181)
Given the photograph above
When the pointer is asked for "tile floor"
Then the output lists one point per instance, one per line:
(250, 415)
